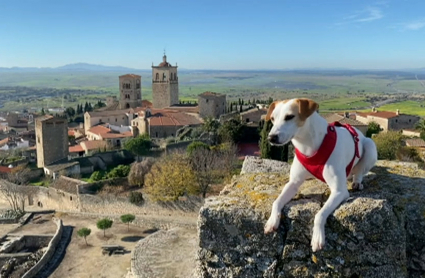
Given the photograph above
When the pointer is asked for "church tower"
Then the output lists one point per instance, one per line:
(130, 91)
(165, 85)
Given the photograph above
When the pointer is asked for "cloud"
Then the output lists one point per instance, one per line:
(414, 25)
(368, 14)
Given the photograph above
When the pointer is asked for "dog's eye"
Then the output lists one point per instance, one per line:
(289, 117)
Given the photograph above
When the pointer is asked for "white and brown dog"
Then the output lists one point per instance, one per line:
(335, 152)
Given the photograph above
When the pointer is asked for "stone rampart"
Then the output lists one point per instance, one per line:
(378, 232)
(49, 251)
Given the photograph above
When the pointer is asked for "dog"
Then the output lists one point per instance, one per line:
(352, 155)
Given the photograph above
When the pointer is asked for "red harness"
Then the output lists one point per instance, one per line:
(315, 163)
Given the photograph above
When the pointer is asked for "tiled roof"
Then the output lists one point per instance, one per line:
(93, 145)
(415, 142)
(379, 114)
(99, 129)
(130, 75)
(146, 103)
(116, 135)
(76, 149)
(164, 64)
(59, 166)
(172, 118)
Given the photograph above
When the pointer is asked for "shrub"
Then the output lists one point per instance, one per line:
(408, 154)
(120, 171)
(136, 198)
(195, 146)
(372, 128)
(96, 176)
(170, 178)
(387, 144)
(139, 170)
(104, 224)
(269, 151)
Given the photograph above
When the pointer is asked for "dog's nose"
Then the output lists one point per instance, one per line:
(273, 138)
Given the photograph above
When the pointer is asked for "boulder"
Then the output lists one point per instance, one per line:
(377, 232)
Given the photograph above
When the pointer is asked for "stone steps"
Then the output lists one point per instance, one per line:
(48, 269)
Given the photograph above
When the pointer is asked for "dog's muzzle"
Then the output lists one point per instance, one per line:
(274, 139)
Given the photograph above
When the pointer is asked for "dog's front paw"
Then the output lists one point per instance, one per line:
(357, 186)
(272, 224)
(318, 239)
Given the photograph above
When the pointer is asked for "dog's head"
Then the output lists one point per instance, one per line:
(288, 116)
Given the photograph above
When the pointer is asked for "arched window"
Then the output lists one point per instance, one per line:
(127, 105)
(123, 85)
(157, 77)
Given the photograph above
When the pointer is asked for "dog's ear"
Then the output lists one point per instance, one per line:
(271, 108)
(306, 107)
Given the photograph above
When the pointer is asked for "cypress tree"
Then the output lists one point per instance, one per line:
(269, 151)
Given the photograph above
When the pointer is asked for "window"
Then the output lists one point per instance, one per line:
(247, 120)
(410, 120)
(156, 134)
(157, 77)
(116, 120)
(137, 84)
(38, 139)
(396, 120)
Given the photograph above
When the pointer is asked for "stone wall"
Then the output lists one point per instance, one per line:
(49, 251)
(378, 232)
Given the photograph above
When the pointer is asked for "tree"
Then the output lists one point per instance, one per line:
(139, 170)
(43, 112)
(70, 112)
(211, 125)
(139, 145)
(387, 144)
(104, 224)
(84, 232)
(420, 126)
(170, 178)
(231, 130)
(372, 128)
(120, 171)
(15, 195)
(195, 146)
(126, 219)
(212, 165)
(269, 151)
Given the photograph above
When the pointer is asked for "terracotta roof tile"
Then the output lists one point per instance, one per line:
(93, 145)
(379, 114)
(76, 149)
(5, 169)
(99, 129)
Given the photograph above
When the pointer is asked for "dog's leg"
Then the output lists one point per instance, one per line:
(297, 176)
(339, 192)
(369, 158)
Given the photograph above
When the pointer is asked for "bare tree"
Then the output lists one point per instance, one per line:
(212, 165)
(19, 175)
(15, 195)
(139, 170)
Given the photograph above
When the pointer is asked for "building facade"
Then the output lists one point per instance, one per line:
(165, 85)
(51, 140)
(389, 120)
(130, 91)
(211, 105)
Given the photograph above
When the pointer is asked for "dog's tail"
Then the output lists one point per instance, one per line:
(370, 155)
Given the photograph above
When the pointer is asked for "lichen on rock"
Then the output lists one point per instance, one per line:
(377, 232)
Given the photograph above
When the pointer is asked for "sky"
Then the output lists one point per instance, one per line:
(220, 34)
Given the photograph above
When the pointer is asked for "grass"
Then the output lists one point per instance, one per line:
(406, 107)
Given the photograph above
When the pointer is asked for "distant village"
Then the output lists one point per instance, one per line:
(66, 148)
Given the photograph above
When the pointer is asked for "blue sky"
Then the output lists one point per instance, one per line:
(204, 34)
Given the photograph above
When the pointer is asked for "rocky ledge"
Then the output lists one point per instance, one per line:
(378, 232)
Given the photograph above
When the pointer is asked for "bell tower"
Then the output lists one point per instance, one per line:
(165, 84)
(130, 91)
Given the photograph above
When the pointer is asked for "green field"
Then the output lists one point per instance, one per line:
(406, 107)
(336, 90)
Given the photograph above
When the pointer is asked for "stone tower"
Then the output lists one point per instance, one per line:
(130, 91)
(211, 104)
(51, 140)
(165, 85)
